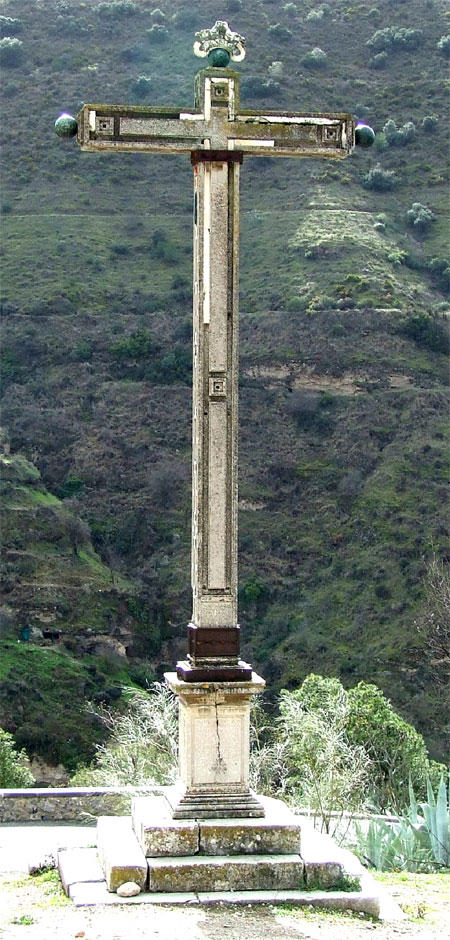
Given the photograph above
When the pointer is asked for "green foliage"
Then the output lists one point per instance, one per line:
(14, 772)
(427, 330)
(10, 25)
(11, 52)
(393, 37)
(379, 61)
(430, 123)
(382, 181)
(316, 59)
(399, 136)
(16, 468)
(141, 86)
(139, 345)
(72, 486)
(396, 750)
(280, 33)
(420, 217)
(416, 841)
(116, 8)
(257, 87)
(157, 33)
(443, 46)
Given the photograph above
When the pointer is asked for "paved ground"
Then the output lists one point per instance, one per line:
(36, 908)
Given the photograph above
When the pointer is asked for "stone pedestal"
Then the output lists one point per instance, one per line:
(214, 749)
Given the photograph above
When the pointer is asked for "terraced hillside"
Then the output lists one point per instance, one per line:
(344, 347)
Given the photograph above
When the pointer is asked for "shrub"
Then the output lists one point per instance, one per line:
(379, 61)
(116, 8)
(399, 136)
(380, 180)
(157, 33)
(440, 268)
(443, 46)
(11, 52)
(426, 331)
(430, 123)
(157, 15)
(233, 6)
(9, 26)
(420, 217)
(136, 346)
(280, 32)
(261, 88)
(393, 37)
(13, 770)
(316, 59)
(276, 69)
(141, 86)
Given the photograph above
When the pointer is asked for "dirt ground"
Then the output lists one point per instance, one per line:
(36, 908)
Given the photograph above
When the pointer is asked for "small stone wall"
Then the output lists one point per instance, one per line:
(68, 803)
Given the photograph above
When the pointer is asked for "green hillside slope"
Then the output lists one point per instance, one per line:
(344, 343)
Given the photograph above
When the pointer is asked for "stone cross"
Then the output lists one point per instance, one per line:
(217, 133)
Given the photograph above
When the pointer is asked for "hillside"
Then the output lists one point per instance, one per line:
(344, 346)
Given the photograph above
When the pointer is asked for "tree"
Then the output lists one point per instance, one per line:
(328, 773)
(142, 748)
(13, 770)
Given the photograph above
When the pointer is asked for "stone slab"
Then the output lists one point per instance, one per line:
(225, 873)
(158, 833)
(77, 865)
(326, 864)
(120, 854)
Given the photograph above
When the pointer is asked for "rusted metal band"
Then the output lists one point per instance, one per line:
(216, 156)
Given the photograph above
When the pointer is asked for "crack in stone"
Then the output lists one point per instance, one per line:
(220, 763)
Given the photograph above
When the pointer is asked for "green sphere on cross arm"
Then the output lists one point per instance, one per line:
(364, 135)
(66, 126)
(219, 58)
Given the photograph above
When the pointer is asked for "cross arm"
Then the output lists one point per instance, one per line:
(162, 130)
(291, 134)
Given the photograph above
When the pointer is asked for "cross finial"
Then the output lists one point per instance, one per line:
(220, 44)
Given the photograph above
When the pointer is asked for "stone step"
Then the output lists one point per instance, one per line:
(225, 873)
(119, 852)
(75, 865)
(327, 865)
(159, 835)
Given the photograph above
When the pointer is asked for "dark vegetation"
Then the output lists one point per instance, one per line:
(344, 280)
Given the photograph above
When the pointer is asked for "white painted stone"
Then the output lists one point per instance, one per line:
(77, 865)
(129, 890)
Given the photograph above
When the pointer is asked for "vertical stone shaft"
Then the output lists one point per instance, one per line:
(213, 634)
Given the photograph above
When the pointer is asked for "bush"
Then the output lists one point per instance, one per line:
(440, 269)
(393, 37)
(280, 32)
(443, 46)
(13, 770)
(420, 217)
(138, 345)
(9, 26)
(141, 86)
(157, 33)
(233, 6)
(316, 59)
(426, 331)
(260, 88)
(157, 15)
(399, 136)
(430, 123)
(11, 52)
(382, 181)
(379, 61)
(116, 8)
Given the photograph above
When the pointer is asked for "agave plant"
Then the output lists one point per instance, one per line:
(436, 812)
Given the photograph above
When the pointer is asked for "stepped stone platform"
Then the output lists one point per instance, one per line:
(175, 861)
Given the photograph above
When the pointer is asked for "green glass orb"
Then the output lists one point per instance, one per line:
(66, 126)
(364, 135)
(218, 58)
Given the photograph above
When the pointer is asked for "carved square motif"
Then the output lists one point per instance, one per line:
(217, 387)
(219, 90)
(332, 133)
(104, 126)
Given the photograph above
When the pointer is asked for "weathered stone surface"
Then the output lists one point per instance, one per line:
(129, 890)
(78, 865)
(226, 873)
(214, 748)
(66, 803)
(278, 833)
(119, 852)
(326, 864)
(158, 833)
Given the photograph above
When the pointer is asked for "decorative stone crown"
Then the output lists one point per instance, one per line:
(220, 37)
